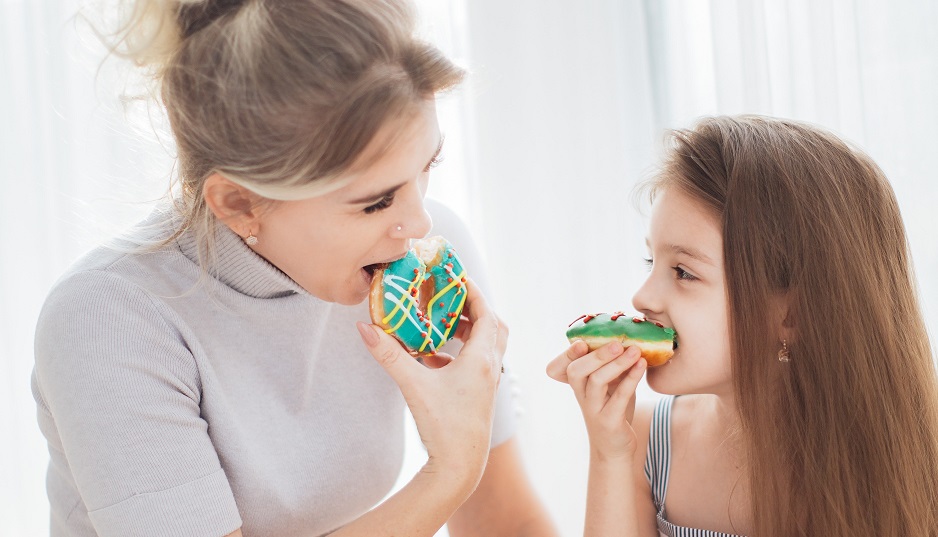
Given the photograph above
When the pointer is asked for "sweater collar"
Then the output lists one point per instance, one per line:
(240, 268)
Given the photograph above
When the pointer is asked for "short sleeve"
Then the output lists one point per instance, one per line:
(118, 394)
(449, 225)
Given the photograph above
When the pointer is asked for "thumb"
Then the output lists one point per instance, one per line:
(400, 365)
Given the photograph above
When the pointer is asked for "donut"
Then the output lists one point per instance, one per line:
(418, 299)
(656, 341)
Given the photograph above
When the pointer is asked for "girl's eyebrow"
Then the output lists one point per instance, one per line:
(693, 253)
(374, 198)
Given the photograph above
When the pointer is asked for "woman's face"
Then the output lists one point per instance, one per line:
(328, 243)
(686, 290)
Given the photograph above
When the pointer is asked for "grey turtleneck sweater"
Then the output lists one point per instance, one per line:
(176, 403)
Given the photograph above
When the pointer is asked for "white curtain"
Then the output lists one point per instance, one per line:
(570, 102)
(563, 114)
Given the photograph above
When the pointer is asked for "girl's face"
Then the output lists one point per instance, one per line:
(686, 290)
(328, 244)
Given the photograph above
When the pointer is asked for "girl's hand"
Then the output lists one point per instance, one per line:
(453, 404)
(604, 383)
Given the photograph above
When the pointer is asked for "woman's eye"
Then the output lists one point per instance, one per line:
(382, 204)
(683, 274)
(649, 262)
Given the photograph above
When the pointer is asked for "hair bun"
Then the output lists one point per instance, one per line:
(194, 16)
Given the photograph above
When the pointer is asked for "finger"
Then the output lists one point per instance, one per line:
(437, 360)
(598, 383)
(463, 328)
(557, 368)
(482, 338)
(623, 397)
(501, 340)
(476, 305)
(579, 371)
(388, 352)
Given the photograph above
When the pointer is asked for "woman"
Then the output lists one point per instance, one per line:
(204, 378)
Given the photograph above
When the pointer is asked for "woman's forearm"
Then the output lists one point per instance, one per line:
(610, 498)
(419, 509)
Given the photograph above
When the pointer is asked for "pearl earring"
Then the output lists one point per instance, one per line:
(783, 355)
(399, 228)
(250, 240)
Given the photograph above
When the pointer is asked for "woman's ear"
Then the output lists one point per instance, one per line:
(232, 204)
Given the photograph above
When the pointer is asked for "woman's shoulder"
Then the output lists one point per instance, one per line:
(106, 296)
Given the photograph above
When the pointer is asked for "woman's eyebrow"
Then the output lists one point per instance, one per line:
(373, 198)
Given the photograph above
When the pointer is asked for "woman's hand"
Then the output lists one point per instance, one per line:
(453, 404)
(604, 383)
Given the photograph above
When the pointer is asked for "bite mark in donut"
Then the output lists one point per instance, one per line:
(418, 299)
(656, 341)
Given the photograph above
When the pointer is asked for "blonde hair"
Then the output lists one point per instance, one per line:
(279, 96)
(843, 439)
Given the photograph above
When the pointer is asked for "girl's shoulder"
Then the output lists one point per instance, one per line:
(681, 411)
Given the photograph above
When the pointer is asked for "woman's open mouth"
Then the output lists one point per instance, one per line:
(374, 267)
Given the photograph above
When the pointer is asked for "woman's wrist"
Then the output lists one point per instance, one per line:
(461, 474)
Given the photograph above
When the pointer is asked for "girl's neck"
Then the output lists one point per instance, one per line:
(719, 420)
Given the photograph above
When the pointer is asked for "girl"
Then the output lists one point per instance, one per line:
(803, 395)
(206, 378)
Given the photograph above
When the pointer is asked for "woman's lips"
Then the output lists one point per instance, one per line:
(370, 269)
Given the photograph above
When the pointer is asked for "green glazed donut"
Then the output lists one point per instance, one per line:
(656, 341)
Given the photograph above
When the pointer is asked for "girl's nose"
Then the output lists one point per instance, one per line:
(646, 300)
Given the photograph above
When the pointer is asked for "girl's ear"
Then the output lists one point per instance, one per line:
(232, 204)
(783, 318)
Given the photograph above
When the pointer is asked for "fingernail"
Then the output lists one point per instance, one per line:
(369, 336)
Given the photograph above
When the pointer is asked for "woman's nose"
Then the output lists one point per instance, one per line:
(414, 221)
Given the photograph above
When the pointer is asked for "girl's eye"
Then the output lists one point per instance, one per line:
(649, 262)
(434, 162)
(382, 204)
(683, 274)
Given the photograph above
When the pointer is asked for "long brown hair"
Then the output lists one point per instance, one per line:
(843, 438)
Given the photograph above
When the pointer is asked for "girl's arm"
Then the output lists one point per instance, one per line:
(604, 383)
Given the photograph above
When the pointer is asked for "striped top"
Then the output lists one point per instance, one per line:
(658, 467)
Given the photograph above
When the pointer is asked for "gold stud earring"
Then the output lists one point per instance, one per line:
(783, 355)
(250, 240)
